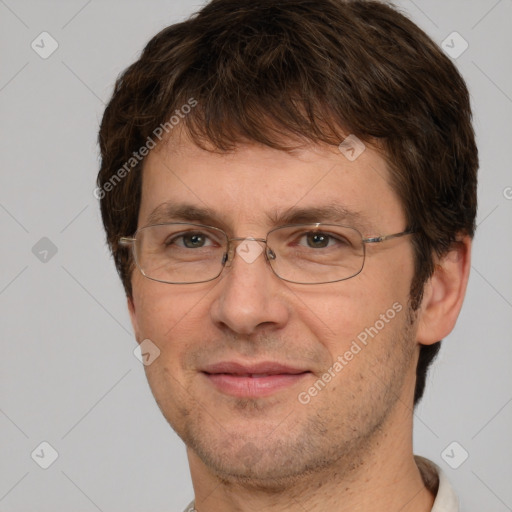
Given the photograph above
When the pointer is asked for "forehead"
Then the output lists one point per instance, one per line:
(257, 185)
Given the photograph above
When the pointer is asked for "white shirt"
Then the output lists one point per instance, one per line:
(435, 480)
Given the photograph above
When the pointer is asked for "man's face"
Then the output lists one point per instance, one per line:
(282, 425)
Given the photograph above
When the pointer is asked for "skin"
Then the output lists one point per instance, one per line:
(350, 447)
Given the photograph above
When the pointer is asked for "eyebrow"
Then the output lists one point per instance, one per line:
(181, 212)
(328, 213)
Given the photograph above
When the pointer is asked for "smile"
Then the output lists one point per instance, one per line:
(252, 381)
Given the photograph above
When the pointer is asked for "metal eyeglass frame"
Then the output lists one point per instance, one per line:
(126, 241)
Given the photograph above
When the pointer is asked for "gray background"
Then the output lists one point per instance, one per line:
(67, 369)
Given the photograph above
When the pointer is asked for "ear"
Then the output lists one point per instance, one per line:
(444, 293)
(133, 318)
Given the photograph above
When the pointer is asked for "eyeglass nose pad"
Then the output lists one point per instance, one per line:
(228, 256)
(271, 255)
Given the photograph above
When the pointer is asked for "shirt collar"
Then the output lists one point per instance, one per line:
(437, 482)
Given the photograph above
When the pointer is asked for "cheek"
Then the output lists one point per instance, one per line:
(356, 310)
(170, 318)
(162, 308)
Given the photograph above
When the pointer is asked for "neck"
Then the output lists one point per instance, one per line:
(381, 478)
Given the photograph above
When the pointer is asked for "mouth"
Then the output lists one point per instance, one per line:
(254, 380)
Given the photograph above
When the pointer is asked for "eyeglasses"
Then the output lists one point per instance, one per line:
(181, 253)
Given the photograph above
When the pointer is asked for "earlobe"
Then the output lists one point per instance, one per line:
(444, 293)
(133, 317)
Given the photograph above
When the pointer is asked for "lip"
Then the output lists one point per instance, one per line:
(252, 380)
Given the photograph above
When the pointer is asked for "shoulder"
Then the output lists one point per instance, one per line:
(437, 482)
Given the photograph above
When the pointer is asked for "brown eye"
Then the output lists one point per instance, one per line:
(317, 240)
(194, 240)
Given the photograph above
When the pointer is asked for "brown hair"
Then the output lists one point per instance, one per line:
(314, 70)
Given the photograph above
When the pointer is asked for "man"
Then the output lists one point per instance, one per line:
(289, 192)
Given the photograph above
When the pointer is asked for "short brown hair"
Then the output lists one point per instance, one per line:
(314, 70)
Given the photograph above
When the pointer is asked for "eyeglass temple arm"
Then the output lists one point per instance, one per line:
(126, 240)
(382, 238)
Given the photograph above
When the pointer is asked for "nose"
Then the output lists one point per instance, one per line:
(249, 297)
